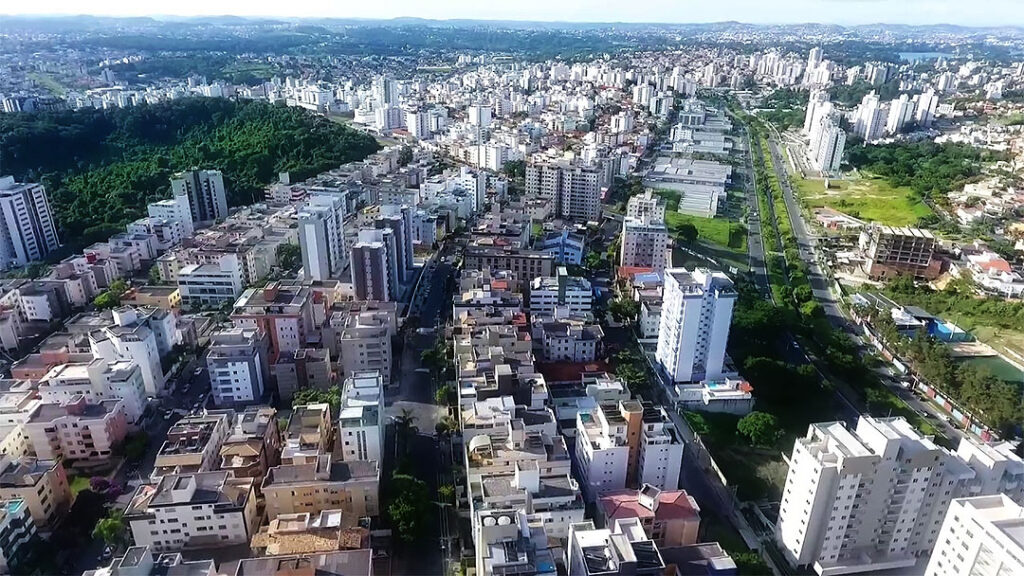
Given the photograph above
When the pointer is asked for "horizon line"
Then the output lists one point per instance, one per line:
(166, 17)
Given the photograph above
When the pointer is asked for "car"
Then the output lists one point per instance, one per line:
(168, 415)
(197, 371)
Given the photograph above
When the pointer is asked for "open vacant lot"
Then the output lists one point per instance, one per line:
(868, 198)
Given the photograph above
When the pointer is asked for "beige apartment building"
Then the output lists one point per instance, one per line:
(352, 487)
(42, 484)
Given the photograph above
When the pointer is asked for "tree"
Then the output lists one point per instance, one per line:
(153, 277)
(111, 529)
(410, 506)
(688, 233)
(441, 395)
(289, 256)
(446, 493)
(404, 156)
(515, 169)
(624, 310)
(95, 190)
(331, 396)
(405, 429)
(760, 428)
(446, 426)
(106, 300)
(135, 446)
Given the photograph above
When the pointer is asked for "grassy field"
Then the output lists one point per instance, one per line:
(77, 484)
(727, 233)
(868, 198)
(47, 82)
(999, 338)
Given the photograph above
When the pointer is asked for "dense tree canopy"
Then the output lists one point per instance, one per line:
(112, 162)
(926, 167)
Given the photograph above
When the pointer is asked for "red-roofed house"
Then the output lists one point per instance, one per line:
(669, 517)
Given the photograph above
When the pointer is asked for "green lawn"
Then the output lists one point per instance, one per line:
(77, 484)
(727, 233)
(47, 82)
(868, 198)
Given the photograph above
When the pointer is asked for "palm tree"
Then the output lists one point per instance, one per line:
(111, 529)
(404, 429)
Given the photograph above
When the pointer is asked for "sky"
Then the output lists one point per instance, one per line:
(964, 12)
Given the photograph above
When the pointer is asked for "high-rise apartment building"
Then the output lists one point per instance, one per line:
(322, 236)
(924, 108)
(371, 262)
(815, 103)
(28, 231)
(398, 219)
(648, 207)
(981, 536)
(574, 190)
(207, 197)
(177, 208)
(826, 148)
(901, 113)
(361, 417)
(870, 119)
(644, 244)
(874, 498)
(695, 314)
(238, 364)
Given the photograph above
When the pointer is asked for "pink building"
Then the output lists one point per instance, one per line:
(77, 430)
(669, 518)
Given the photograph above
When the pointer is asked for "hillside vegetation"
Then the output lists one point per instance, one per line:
(102, 167)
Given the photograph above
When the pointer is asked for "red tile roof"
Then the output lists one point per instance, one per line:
(672, 505)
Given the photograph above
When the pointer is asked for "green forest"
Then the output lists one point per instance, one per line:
(928, 168)
(101, 167)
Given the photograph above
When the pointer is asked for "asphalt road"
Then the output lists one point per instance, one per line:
(819, 284)
(131, 475)
(755, 242)
(806, 243)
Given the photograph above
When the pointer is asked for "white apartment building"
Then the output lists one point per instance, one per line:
(660, 456)
(175, 209)
(202, 510)
(603, 448)
(28, 231)
(981, 536)
(139, 340)
(97, 380)
(644, 244)
(192, 445)
(361, 417)
(564, 338)
(873, 498)
(238, 364)
(696, 311)
(647, 207)
(827, 145)
(572, 293)
(209, 284)
(207, 197)
(322, 236)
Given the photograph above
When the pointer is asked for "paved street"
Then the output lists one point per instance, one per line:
(806, 243)
(819, 283)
